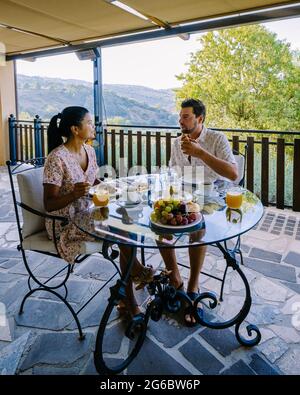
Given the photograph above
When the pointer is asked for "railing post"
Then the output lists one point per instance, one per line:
(37, 136)
(296, 176)
(12, 138)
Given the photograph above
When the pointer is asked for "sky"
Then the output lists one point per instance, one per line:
(154, 64)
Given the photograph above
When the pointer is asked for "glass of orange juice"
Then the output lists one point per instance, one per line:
(234, 198)
(101, 198)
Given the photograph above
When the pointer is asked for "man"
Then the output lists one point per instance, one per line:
(198, 146)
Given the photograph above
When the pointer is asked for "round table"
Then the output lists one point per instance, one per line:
(119, 224)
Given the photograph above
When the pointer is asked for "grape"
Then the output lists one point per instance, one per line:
(163, 220)
(173, 221)
(161, 203)
(193, 216)
(157, 211)
(153, 217)
(170, 216)
(179, 219)
(164, 213)
(168, 209)
(182, 208)
(184, 221)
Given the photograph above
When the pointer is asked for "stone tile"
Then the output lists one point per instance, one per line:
(214, 251)
(263, 315)
(9, 263)
(77, 291)
(275, 232)
(96, 267)
(288, 233)
(290, 362)
(45, 314)
(265, 255)
(266, 334)
(292, 286)
(261, 367)
(11, 355)
(200, 357)
(273, 270)
(267, 289)
(154, 360)
(273, 349)
(170, 332)
(292, 258)
(289, 335)
(90, 368)
(239, 368)
(57, 348)
(15, 294)
(91, 315)
(8, 277)
(223, 340)
(53, 370)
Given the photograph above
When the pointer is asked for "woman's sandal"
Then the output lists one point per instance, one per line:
(144, 277)
(189, 310)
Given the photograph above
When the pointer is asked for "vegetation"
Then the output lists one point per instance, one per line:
(247, 78)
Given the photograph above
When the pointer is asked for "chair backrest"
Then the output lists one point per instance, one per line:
(31, 191)
(240, 159)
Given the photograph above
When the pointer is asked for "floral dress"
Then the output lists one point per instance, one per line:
(62, 169)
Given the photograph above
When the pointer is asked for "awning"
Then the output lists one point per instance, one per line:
(32, 25)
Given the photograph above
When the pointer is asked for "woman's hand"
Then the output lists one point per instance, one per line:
(81, 189)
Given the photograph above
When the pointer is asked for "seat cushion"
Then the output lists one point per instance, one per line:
(32, 193)
(40, 242)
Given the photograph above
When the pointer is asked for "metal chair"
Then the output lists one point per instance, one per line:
(33, 235)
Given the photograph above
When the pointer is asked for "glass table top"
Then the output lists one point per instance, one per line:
(128, 223)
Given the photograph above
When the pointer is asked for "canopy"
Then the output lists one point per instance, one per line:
(33, 25)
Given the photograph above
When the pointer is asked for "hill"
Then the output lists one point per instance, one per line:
(130, 104)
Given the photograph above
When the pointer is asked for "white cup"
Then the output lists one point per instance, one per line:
(131, 196)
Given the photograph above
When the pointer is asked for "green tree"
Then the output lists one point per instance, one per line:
(247, 78)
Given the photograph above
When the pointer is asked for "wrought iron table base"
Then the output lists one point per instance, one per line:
(164, 297)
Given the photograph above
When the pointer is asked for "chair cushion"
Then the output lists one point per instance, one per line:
(32, 193)
(240, 162)
(40, 242)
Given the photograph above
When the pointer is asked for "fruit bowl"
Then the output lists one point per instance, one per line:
(175, 214)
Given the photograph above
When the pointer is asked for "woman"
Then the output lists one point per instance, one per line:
(70, 169)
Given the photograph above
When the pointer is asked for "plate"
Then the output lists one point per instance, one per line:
(179, 227)
(126, 204)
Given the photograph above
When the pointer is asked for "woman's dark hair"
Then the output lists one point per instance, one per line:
(198, 107)
(70, 116)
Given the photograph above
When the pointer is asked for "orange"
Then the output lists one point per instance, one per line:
(100, 199)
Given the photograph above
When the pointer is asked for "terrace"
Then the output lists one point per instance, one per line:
(36, 344)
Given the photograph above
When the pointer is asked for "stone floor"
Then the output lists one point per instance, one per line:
(44, 340)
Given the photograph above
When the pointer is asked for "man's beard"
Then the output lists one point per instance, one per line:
(191, 130)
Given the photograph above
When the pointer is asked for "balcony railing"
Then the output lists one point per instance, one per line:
(273, 157)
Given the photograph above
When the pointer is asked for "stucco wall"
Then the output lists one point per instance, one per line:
(7, 106)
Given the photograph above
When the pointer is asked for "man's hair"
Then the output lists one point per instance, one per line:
(198, 107)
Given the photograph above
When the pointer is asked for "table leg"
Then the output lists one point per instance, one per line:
(108, 357)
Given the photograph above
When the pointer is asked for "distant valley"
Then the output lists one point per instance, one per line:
(127, 104)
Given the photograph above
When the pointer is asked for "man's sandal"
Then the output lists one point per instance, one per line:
(189, 310)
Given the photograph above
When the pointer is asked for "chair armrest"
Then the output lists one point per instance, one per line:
(64, 220)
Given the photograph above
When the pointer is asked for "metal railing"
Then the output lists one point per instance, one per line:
(273, 157)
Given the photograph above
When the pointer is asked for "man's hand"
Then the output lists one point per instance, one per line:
(81, 189)
(190, 147)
